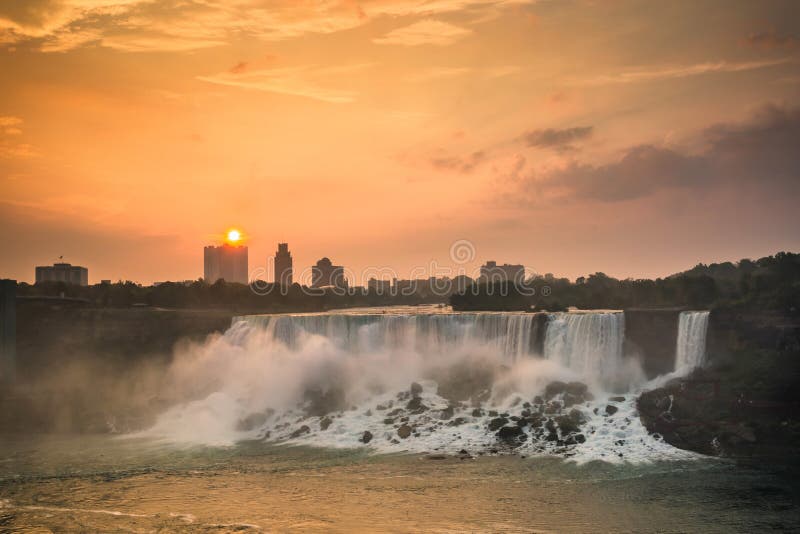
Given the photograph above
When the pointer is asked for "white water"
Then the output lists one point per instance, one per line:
(590, 344)
(266, 364)
(690, 351)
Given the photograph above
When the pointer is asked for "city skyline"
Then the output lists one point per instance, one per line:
(628, 137)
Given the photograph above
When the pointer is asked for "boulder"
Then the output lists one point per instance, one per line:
(366, 437)
(554, 388)
(496, 423)
(404, 431)
(512, 434)
(611, 409)
(300, 431)
(415, 406)
(447, 413)
(324, 423)
(416, 389)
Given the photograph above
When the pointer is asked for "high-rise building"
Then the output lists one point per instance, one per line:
(324, 273)
(225, 262)
(491, 272)
(283, 265)
(63, 272)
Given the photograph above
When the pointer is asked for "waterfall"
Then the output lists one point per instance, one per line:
(590, 344)
(691, 347)
(513, 335)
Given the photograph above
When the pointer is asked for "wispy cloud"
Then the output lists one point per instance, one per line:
(649, 74)
(305, 81)
(10, 147)
(428, 31)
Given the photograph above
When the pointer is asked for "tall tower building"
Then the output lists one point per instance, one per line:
(225, 262)
(283, 265)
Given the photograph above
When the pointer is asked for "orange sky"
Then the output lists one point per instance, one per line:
(631, 137)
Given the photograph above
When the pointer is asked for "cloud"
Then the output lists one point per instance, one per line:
(6, 121)
(9, 147)
(649, 74)
(770, 39)
(458, 164)
(182, 25)
(760, 152)
(557, 139)
(305, 81)
(428, 31)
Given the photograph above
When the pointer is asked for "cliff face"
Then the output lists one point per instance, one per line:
(745, 402)
(83, 369)
(50, 333)
(651, 336)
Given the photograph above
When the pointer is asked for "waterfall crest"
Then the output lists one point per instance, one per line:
(691, 345)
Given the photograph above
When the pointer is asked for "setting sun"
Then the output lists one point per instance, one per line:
(234, 236)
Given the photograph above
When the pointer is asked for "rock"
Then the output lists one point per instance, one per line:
(496, 423)
(611, 409)
(366, 437)
(388, 421)
(526, 404)
(404, 431)
(617, 399)
(535, 419)
(415, 406)
(463, 452)
(512, 434)
(492, 413)
(395, 412)
(447, 413)
(300, 431)
(324, 423)
(416, 389)
(368, 413)
(577, 389)
(466, 381)
(458, 421)
(554, 388)
(575, 439)
(571, 422)
(477, 412)
(436, 457)
(552, 407)
(538, 400)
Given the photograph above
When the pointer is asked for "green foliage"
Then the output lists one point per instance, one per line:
(770, 283)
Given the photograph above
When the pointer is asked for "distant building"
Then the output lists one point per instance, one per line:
(324, 273)
(225, 262)
(283, 265)
(381, 287)
(491, 272)
(63, 272)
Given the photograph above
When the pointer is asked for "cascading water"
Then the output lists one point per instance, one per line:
(690, 352)
(588, 343)
(421, 380)
(512, 335)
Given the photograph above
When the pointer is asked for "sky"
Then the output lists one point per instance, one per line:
(636, 138)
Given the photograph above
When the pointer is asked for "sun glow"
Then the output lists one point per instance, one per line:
(234, 236)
